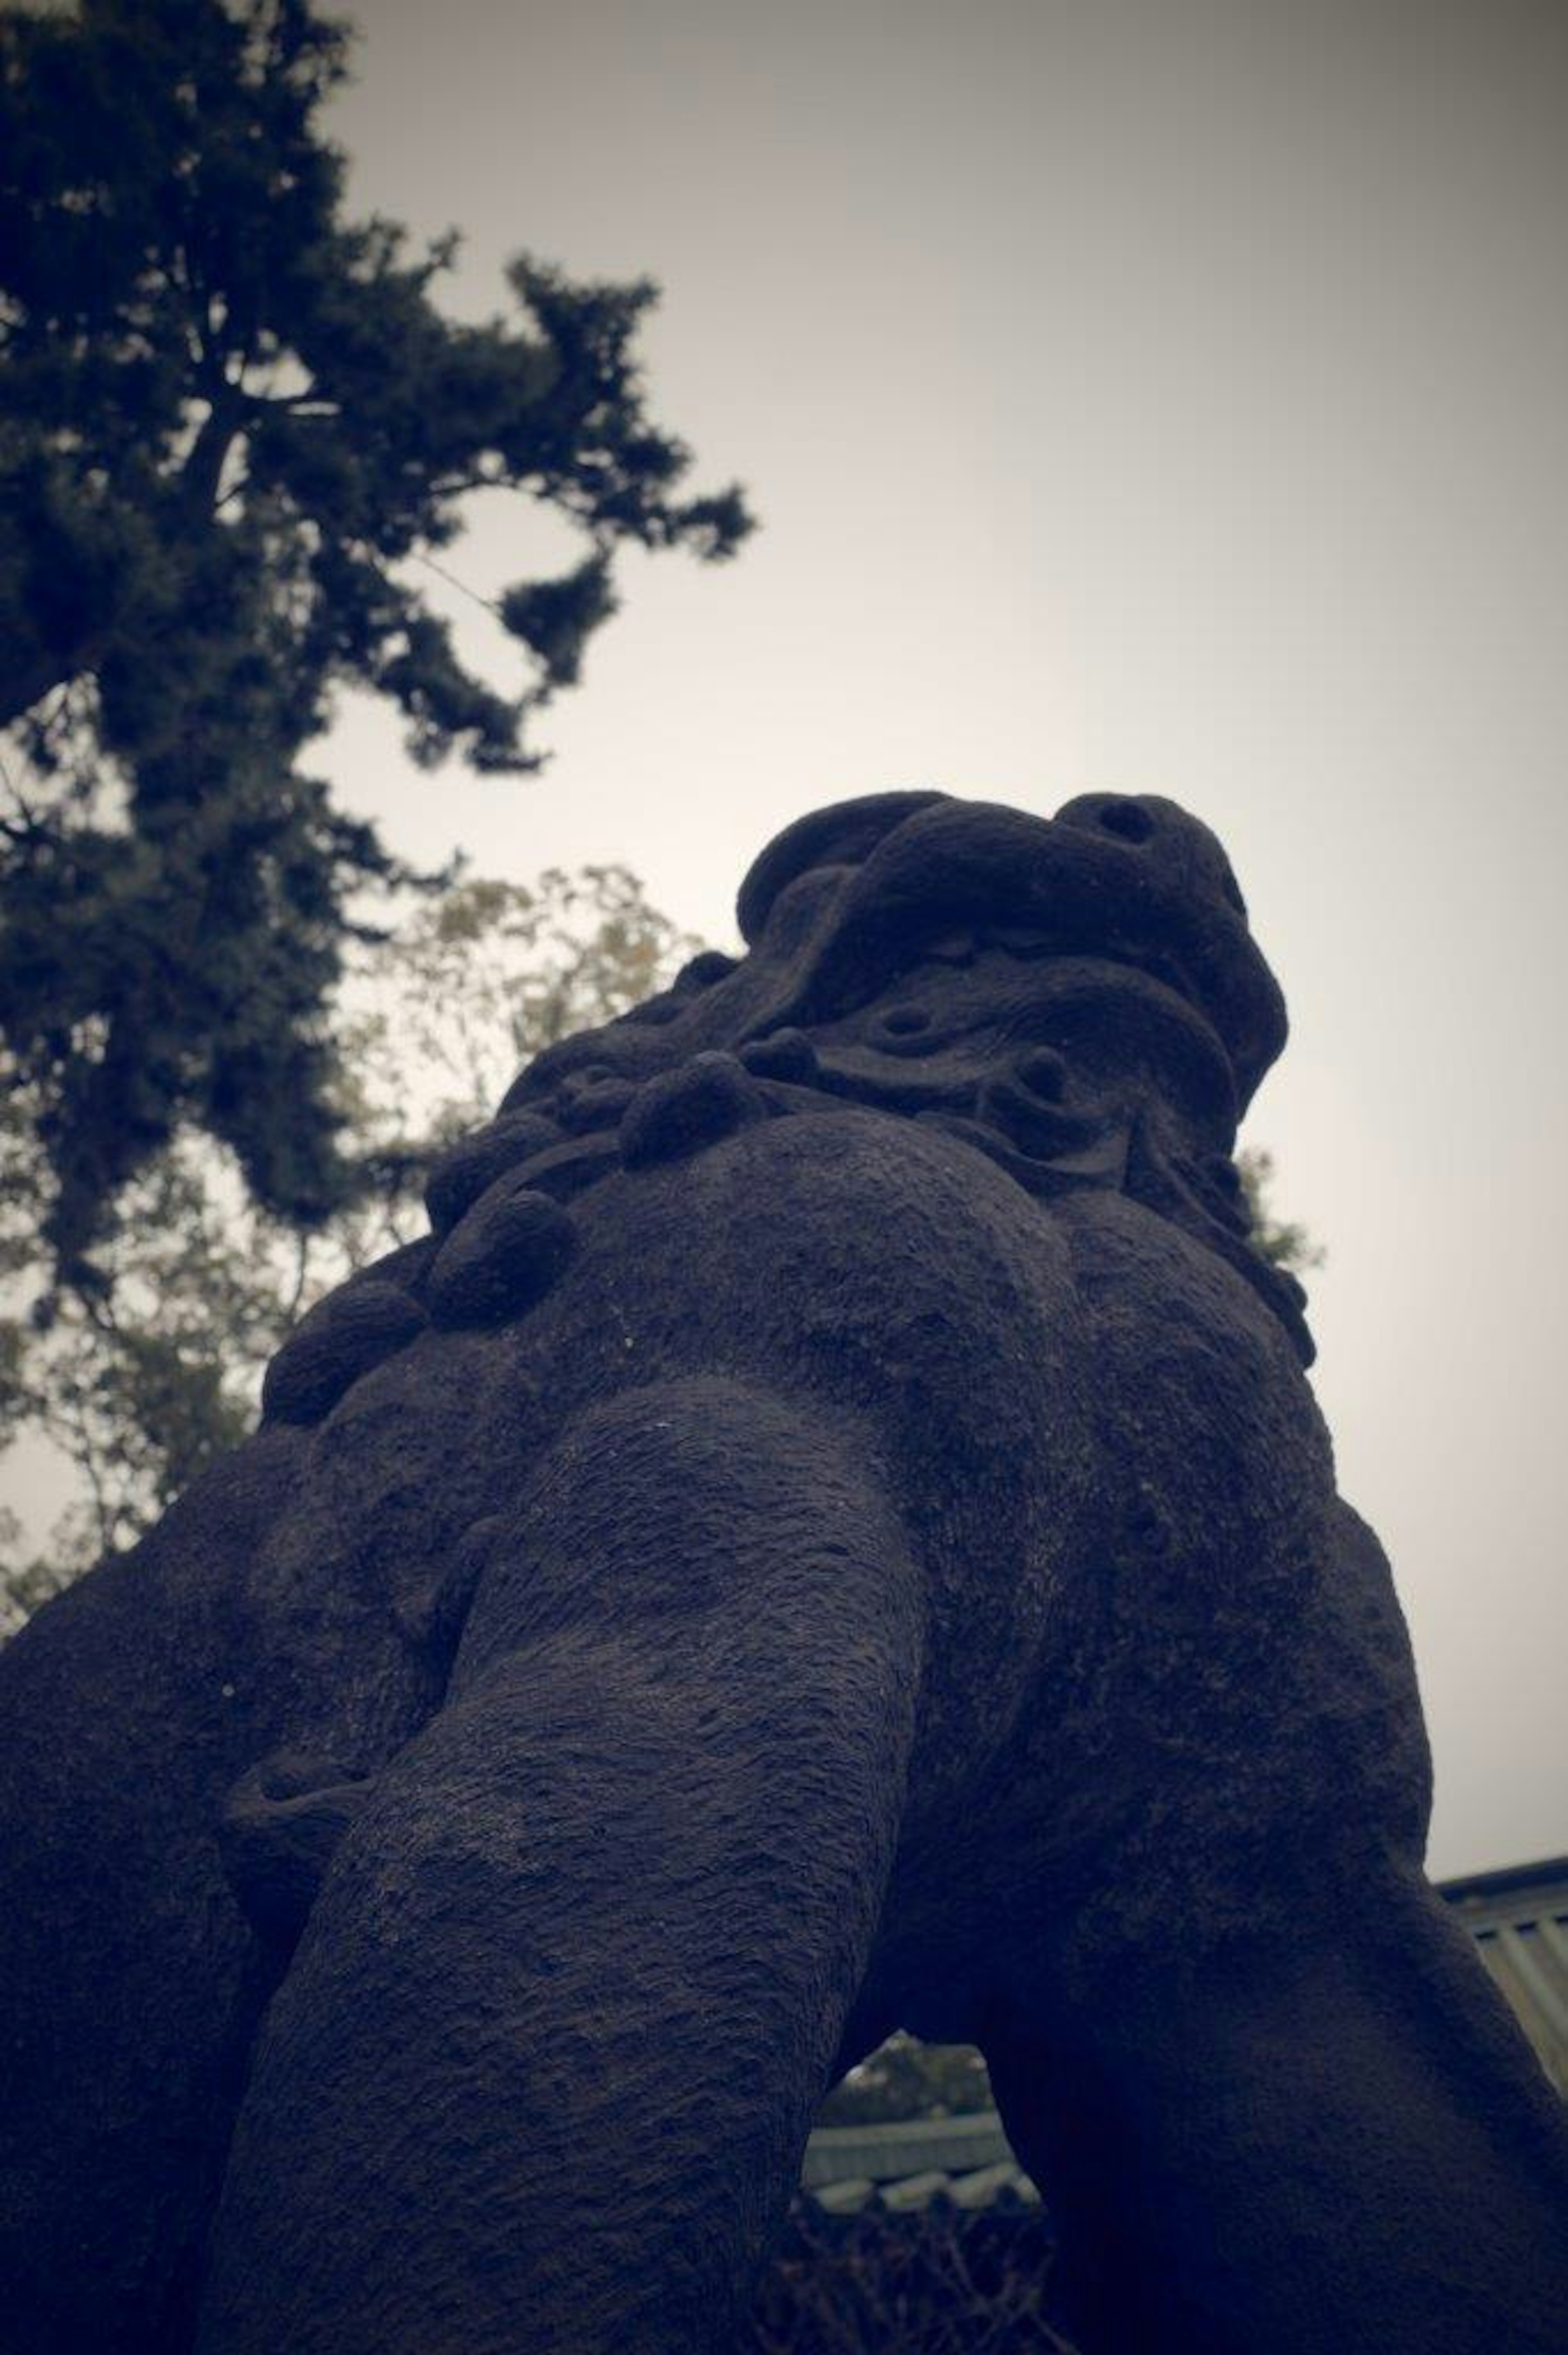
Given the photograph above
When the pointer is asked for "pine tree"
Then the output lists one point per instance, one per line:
(229, 419)
(137, 1386)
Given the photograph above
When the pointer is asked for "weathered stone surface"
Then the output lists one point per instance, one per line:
(682, 1111)
(783, 1055)
(280, 1827)
(501, 1257)
(350, 1331)
(874, 1559)
(473, 1164)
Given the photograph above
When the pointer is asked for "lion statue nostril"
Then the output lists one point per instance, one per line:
(1127, 819)
(906, 1021)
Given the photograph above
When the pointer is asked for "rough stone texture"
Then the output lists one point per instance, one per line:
(473, 1166)
(350, 1331)
(680, 1112)
(512, 1246)
(839, 1537)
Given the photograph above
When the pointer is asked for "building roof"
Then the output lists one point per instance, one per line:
(1518, 1918)
(966, 2161)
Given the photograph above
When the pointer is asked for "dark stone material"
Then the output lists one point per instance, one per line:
(598, 1104)
(783, 1055)
(702, 970)
(501, 1257)
(853, 1547)
(682, 1111)
(280, 1830)
(464, 1173)
(352, 1330)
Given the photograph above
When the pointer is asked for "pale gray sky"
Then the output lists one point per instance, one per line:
(1168, 399)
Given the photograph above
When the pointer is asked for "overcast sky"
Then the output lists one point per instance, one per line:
(1169, 399)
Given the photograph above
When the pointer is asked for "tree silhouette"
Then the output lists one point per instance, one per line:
(228, 421)
(139, 1386)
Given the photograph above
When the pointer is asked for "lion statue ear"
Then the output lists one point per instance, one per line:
(842, 835)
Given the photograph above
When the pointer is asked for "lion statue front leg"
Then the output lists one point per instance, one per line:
(1269, 2095)
(542, 2071)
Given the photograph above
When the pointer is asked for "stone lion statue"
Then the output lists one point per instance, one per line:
(829, 1532)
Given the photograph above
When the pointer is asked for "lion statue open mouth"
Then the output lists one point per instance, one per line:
(828, 1532)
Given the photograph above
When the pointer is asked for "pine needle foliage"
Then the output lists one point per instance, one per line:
(232, 421)
(135, 1387)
